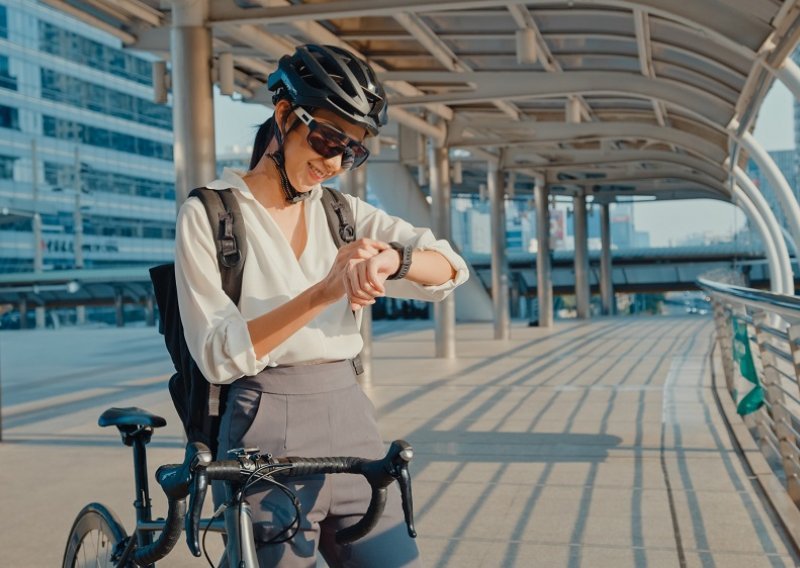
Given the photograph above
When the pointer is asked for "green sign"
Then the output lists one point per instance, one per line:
(754, 399)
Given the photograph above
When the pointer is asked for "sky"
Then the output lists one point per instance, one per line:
(666, 221)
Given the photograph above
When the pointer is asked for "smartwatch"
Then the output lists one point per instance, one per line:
(405, 260)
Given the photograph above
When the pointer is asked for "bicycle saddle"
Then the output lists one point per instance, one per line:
(130, 416)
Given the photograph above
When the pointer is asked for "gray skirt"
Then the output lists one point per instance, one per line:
(313, 411)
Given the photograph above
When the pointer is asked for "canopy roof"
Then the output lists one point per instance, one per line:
(624, 97)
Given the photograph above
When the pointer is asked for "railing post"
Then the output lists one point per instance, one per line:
(725, 339)
(777, 406)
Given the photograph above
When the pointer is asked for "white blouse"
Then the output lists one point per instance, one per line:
(216, 331)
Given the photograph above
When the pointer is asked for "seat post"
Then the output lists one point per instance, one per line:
(142, 503)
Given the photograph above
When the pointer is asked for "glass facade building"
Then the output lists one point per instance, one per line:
(786, 160)
(86, 171)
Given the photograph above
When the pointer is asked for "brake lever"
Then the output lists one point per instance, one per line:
(403, 455)
(197, 495)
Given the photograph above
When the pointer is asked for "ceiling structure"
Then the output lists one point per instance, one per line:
(617, 97)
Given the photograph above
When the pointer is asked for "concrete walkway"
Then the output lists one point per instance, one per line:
(595, 444)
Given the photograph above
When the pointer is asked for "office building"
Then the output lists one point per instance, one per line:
(86, 171)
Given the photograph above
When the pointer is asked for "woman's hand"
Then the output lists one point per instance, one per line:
(338, 281)
(365, 278)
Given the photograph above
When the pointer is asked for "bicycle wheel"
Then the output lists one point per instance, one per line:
(94, 539)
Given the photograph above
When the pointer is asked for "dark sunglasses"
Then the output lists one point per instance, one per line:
(328, 141)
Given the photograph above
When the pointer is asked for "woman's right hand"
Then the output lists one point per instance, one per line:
(338, 283)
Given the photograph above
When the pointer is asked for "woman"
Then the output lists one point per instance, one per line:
(286, 350)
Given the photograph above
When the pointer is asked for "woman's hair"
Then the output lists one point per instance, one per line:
(263, 137)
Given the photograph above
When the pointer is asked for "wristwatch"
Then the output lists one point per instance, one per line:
(405, 260)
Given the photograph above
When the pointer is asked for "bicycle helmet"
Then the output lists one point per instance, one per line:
(332, 78)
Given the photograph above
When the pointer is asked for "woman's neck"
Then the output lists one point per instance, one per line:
(265, 184)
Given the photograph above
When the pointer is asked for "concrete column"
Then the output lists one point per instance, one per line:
(355, 183)
(544, 282)
(38, 252)
(582, 290)
(41, 317)
(193, 108)
(80, 315)
(23, 312)
(606, 281)
(495, 185)
(120, 314)
(444, 312)
(149, 310)
(77, 221)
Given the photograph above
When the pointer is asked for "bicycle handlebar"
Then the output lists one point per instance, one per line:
(192, 476)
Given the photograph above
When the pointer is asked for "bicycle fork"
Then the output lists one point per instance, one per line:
(240, 547)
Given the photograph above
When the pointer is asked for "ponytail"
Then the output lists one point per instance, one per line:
(263, 137)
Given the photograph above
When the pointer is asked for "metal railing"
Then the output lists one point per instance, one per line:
(759, 337)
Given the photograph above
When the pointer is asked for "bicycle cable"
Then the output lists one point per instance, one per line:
(221, 509)
(260, 475)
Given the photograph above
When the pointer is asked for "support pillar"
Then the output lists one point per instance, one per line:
(582, 290)
(544, 282)
(38, 251)
(23, 313)
(606, 280)
(495, 184)
(354, 182)
(444, 312)
(80, 315)
(41, 317)
(149, 311)
(118, 308)
(193, 114)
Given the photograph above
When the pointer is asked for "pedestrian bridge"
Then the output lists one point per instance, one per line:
(604, 443)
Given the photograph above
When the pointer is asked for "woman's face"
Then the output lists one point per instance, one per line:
(305, 168)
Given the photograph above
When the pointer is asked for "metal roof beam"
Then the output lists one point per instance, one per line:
(559, 132)
(704, 106)
(583, 159)
(716, 24)
(440, 50)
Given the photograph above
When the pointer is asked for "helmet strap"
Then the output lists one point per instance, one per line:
(291, 194)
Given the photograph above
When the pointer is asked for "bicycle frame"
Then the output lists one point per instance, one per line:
(237, 522)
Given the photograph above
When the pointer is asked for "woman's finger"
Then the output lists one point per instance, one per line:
(374, 277)
(358, 291)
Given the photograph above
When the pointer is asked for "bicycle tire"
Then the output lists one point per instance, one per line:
(94, 539)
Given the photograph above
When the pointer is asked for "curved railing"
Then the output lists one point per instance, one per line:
(759, 338)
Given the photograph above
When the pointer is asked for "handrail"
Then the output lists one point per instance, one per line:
(781, 304)
(759, 338)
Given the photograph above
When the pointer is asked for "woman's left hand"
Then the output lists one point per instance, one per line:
(365, 279)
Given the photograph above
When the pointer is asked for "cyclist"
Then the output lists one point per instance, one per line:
(287, 349)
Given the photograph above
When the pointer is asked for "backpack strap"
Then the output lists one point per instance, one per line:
(342, 225)
(227, 226)
(341, 221)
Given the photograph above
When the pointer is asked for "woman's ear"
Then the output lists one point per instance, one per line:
(282, 110)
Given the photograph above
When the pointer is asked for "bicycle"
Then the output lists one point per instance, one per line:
(98, 539)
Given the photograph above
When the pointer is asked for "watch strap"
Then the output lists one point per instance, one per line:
(405, 252)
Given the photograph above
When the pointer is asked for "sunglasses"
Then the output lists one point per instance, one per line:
(328, 141)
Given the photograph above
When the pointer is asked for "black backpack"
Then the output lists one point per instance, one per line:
(199, 403)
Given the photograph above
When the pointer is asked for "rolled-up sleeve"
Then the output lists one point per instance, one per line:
(374, 223)
(216, 332)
